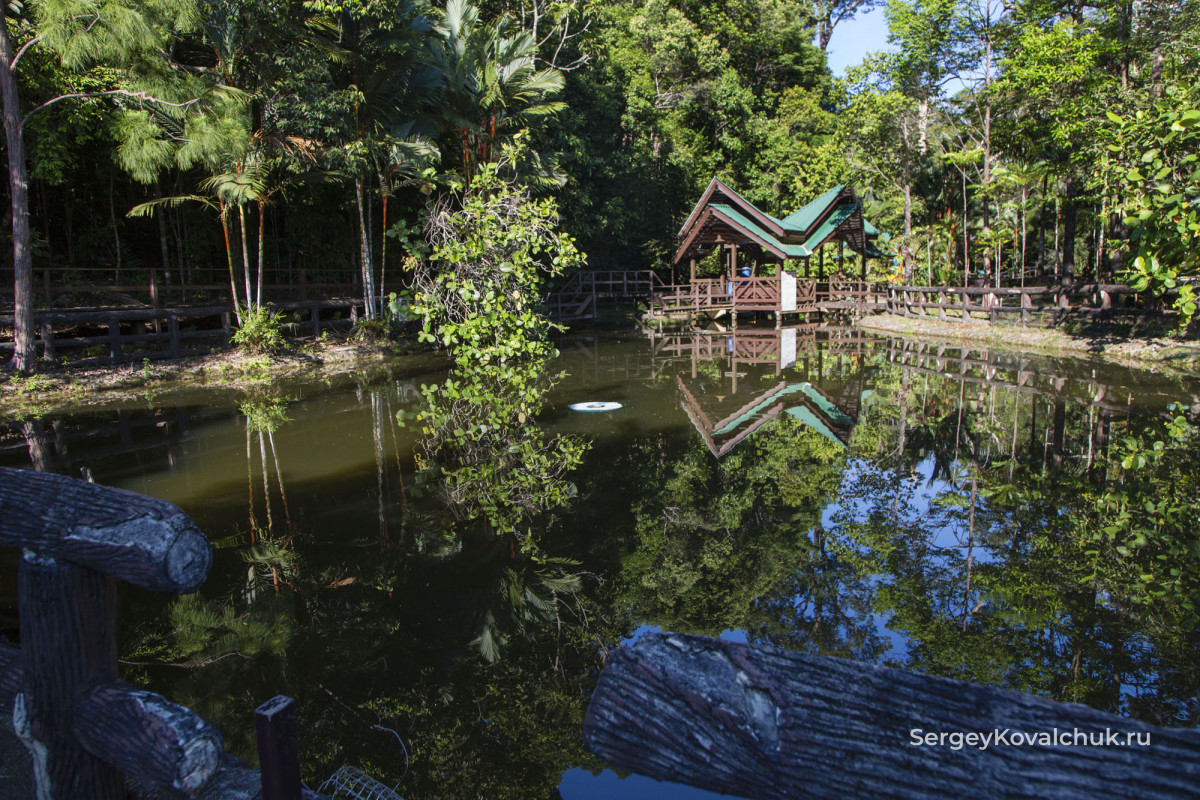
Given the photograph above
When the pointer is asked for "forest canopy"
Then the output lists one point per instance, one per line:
(259, 141)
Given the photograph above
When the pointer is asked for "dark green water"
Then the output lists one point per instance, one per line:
(991, 517)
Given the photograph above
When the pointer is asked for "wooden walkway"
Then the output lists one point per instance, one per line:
(979, 303)
(122, 335)
(787, 295)
(587, 292)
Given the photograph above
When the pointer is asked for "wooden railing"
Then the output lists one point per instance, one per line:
(571, 305)
(702, 294)
(55, 282)
(129, 334)
(981, 302)
(756, 294)
(768, 723)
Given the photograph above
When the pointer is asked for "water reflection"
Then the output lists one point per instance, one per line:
(1015, 520)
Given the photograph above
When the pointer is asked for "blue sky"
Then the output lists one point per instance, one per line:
(852, 40)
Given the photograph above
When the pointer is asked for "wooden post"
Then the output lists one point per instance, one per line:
(692, 273)
(226, 326)
(153, 287)
(69, 645)
(314, 313)
(114, 340)
(79, 722)
(303, 284)
(278, 748)
(173, 333)
(47, 340)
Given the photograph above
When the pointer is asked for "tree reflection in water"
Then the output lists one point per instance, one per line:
(1021, 526)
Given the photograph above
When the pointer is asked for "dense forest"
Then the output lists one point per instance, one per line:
(257, 144)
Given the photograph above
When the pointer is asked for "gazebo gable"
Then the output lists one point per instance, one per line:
(720, 193)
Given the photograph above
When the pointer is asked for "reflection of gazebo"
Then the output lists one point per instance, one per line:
(801, 400)
(724, 221)
(726, 417)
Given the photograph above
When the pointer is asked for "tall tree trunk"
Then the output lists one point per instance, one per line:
(368, 271)
(987, 169)
(923, 125)
(383, 197)
(237, 309)
(162, 236)
(1042, 226)
(245, 257)
(824, 32)
(1068, 235)
(261, 215)
(112, 215)
(966, 235)
(18, 190)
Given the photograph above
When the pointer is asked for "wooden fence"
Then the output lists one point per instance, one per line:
(86, 730)
(764, 722)
(212, 284)
(131, 334)
(981, 302)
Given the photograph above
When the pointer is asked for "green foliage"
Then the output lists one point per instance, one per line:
(1153, 175)
(478, 292)
(260, 332)
(485, 454)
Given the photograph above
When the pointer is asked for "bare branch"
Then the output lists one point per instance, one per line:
(145, 96)
(12, 66)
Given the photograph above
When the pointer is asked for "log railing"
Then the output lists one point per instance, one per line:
(87, 731)
(130, 334)
(212, 284)
(981, 302)
(767, 723)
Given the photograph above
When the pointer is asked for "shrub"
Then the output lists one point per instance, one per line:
(260, 332)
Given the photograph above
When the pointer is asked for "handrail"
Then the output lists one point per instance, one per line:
(87, 730)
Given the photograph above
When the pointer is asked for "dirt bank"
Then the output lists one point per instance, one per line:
(66, 389)
(1158, 353)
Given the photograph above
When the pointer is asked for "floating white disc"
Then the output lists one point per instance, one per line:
(595, 406)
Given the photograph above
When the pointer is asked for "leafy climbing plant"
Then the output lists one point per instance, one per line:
(1153, 169)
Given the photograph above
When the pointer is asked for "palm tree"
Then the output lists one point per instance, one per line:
(389, 140)
(492, 86)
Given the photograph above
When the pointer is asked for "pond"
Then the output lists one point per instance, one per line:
(1006, 519)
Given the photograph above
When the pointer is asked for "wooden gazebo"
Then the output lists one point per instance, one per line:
(726, 222)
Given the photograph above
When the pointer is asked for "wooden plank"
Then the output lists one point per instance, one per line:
(767, 723)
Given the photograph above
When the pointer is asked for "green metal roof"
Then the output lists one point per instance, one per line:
(810, 419)
(727, 188)
(831, 223)
(790, 250)
(803, 219)
(871, 251)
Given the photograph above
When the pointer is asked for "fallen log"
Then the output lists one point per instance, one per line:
(767, 723)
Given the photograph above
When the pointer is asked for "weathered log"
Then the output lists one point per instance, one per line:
(767, 723)
(148, 738)
(140, 540)
(68, 646)
(12, 672)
